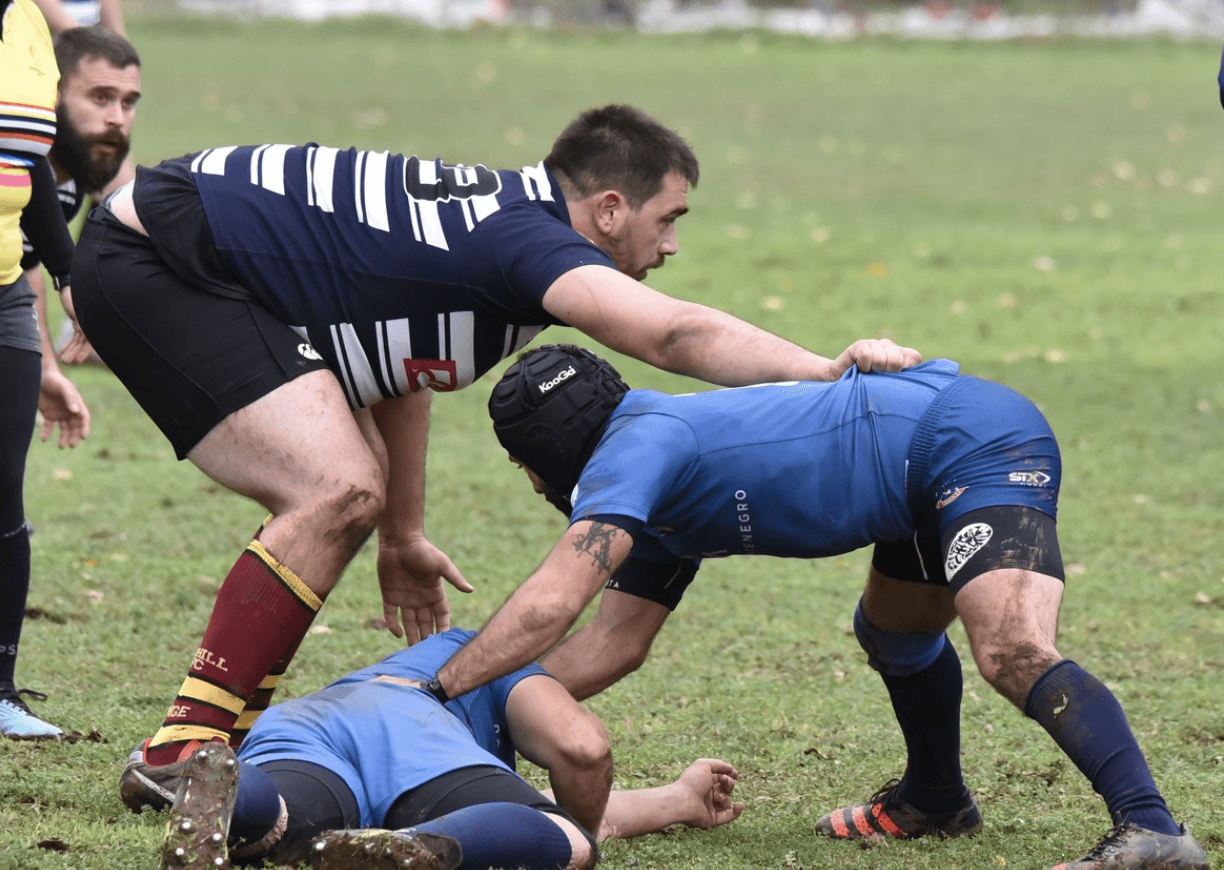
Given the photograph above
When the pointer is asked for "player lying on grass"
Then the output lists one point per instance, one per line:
(373, 750)
(953, 479)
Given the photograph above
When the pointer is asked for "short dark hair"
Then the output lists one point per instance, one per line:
(77, 43)
(621, 148)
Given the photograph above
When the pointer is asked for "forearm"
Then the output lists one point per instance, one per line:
(110, 16)
(590, 660)
(42, 221)
(404, 426)
(527, 626)
(611, 645)
(58, 19)
(634, 812)
(721, 349)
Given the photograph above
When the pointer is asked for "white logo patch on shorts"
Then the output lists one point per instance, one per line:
(968, 541)
(307, 351)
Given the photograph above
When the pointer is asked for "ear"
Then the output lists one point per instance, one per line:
(610, 207)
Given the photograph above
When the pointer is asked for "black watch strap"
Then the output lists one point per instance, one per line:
(434, 687)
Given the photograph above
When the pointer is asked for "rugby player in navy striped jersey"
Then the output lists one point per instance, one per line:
(284, 313)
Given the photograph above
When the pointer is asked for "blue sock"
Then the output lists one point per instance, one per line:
(257, 807)
(927, 707)
(503, 835)
(1087, 723)
(922, 673)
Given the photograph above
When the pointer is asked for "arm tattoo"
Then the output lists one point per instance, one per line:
(597, 543)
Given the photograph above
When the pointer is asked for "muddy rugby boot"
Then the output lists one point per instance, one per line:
(1129, 847)
(198, 827)
(376, 849)
(886, 816)
(153, 785)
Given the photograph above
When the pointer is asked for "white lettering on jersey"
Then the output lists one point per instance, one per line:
(426, 224)
(320, 177)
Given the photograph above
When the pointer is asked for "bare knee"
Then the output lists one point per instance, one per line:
(587, 747)
(1013, 666)
(352, 512)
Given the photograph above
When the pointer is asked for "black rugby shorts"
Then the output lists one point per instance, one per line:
(190, 357)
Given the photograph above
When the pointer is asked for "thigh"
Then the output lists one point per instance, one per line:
(189, 356)
(292, 447)
(462, 788)
(317, 800)
(906, 589)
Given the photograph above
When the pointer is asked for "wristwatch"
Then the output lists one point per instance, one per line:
(434, 687)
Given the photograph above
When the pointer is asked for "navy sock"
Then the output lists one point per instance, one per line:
(503, 835)
(927, 706)
(257, 807)
(1087, 723)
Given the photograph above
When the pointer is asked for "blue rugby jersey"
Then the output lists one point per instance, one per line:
(383, 737)
(799, 469)
(809, 470)
(402, 273)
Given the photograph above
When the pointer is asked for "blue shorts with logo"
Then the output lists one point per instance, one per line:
(981, 444)
(980, 449)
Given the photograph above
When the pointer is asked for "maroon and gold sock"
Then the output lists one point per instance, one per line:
(262, 698)
(262, 611)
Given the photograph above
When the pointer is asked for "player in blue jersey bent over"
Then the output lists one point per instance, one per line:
(373, 751)
(954, 480)
(284, 313)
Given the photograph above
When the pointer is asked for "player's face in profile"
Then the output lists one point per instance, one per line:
(544, 489)
(97, 105)
(648, 234)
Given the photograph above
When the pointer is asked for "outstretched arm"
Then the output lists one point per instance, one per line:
(537, 615)
(699, 798)
(696, 340)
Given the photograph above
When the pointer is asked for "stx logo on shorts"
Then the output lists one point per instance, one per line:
(309, 352)
(1029, 478)
(968, 541)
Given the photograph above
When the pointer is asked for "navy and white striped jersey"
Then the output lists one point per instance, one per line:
(402, 273)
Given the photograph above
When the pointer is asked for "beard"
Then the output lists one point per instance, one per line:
(73, 151)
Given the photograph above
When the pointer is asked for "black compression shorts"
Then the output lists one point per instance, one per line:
(987, 539)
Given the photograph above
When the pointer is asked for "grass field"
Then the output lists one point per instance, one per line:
(1047, 214)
